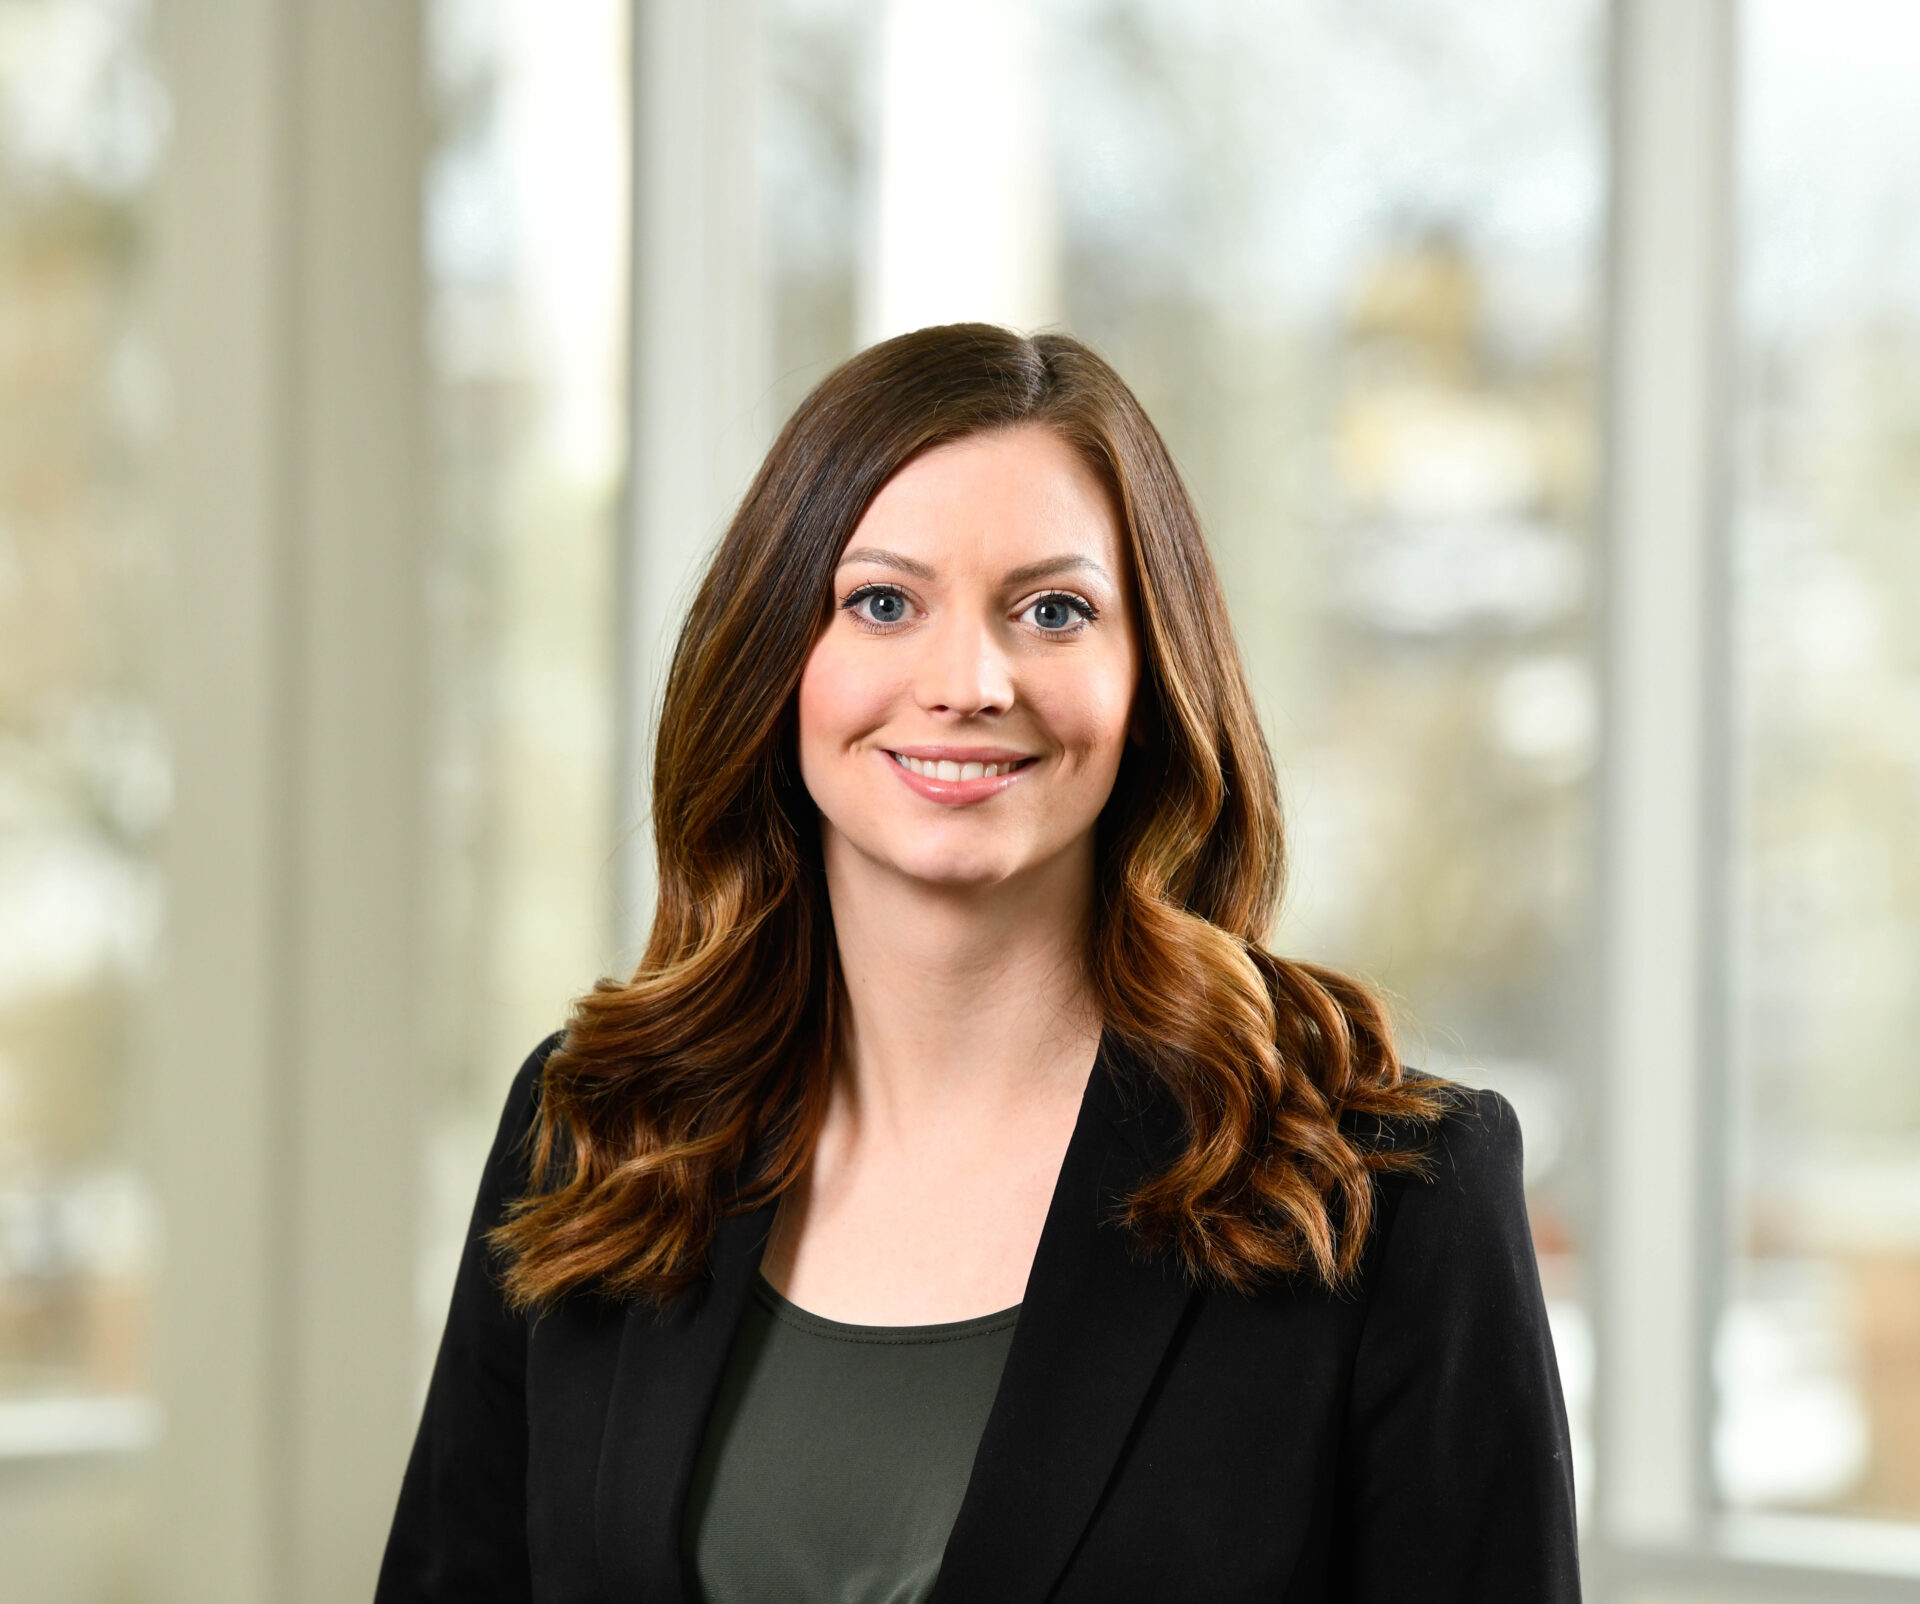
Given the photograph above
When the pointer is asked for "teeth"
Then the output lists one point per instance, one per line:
(947, 770)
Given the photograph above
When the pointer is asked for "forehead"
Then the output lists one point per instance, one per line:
(1000, 498)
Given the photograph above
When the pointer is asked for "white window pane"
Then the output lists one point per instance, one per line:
(526, 230)
(84, 772)
(1818, 1359)
(85, 785)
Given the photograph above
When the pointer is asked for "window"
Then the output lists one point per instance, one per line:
(84, 761)
(526, 245)
(85, 779)
(1818, 1352)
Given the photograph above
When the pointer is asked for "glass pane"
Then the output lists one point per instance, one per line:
(1819, 1353)
(84, 772)
(1350, 259)
(526, 254)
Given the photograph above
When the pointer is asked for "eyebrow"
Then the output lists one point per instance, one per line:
(1067, 563)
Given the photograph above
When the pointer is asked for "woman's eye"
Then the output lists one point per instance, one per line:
(877, 605)
(1059, 615)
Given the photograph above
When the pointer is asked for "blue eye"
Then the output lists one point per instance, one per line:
(876, 604)
(1060, 613)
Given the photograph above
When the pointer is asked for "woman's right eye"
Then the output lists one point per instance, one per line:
(877, 604)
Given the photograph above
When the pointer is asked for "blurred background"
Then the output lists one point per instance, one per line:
(375, 376)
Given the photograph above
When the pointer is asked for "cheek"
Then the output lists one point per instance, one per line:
(1089, 713)
(837, 702)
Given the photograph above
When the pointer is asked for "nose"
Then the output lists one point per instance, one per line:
(964, 670)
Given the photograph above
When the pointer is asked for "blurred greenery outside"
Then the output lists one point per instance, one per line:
(84, 776)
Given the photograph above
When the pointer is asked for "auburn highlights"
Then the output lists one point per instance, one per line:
(695, 1089)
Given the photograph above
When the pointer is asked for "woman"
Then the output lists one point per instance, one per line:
(959, 1202)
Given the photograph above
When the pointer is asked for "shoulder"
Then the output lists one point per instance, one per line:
(1460, 1215)
(507, 1163)
(523, 1096)
(1473, 1148)
(1457, 1450)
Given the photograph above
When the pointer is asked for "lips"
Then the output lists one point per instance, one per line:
(947, 768)
(958, 775)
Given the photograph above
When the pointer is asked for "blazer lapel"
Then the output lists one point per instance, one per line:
(663, 1389)
(1093, 1330)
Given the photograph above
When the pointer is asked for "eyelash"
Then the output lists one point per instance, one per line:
(850, 605)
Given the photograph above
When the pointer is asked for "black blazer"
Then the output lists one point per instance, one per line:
(1402, 1444)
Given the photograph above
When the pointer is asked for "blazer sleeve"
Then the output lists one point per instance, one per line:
(1458, 1476)
(459, 1534)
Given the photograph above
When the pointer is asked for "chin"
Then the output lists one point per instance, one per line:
(954, 854)
(954, 870)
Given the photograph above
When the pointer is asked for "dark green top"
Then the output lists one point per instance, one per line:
(837, 1455)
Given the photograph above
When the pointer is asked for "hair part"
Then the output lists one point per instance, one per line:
(696, 1088)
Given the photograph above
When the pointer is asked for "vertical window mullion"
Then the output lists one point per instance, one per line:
(698, 373)
(1661, 820)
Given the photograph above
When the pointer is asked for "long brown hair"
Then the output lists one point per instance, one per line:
(695, 1089)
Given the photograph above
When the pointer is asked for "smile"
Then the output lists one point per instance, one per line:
(947, 769)
(958, 778)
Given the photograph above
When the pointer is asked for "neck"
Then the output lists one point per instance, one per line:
(962, 1002)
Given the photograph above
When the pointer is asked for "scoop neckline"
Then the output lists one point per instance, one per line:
(790, 1313)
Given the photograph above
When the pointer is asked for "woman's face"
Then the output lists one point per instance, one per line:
(963, 715)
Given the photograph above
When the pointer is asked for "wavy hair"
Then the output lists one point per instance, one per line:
(696, 1088)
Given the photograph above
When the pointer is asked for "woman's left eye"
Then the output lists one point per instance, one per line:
(1059, 613)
